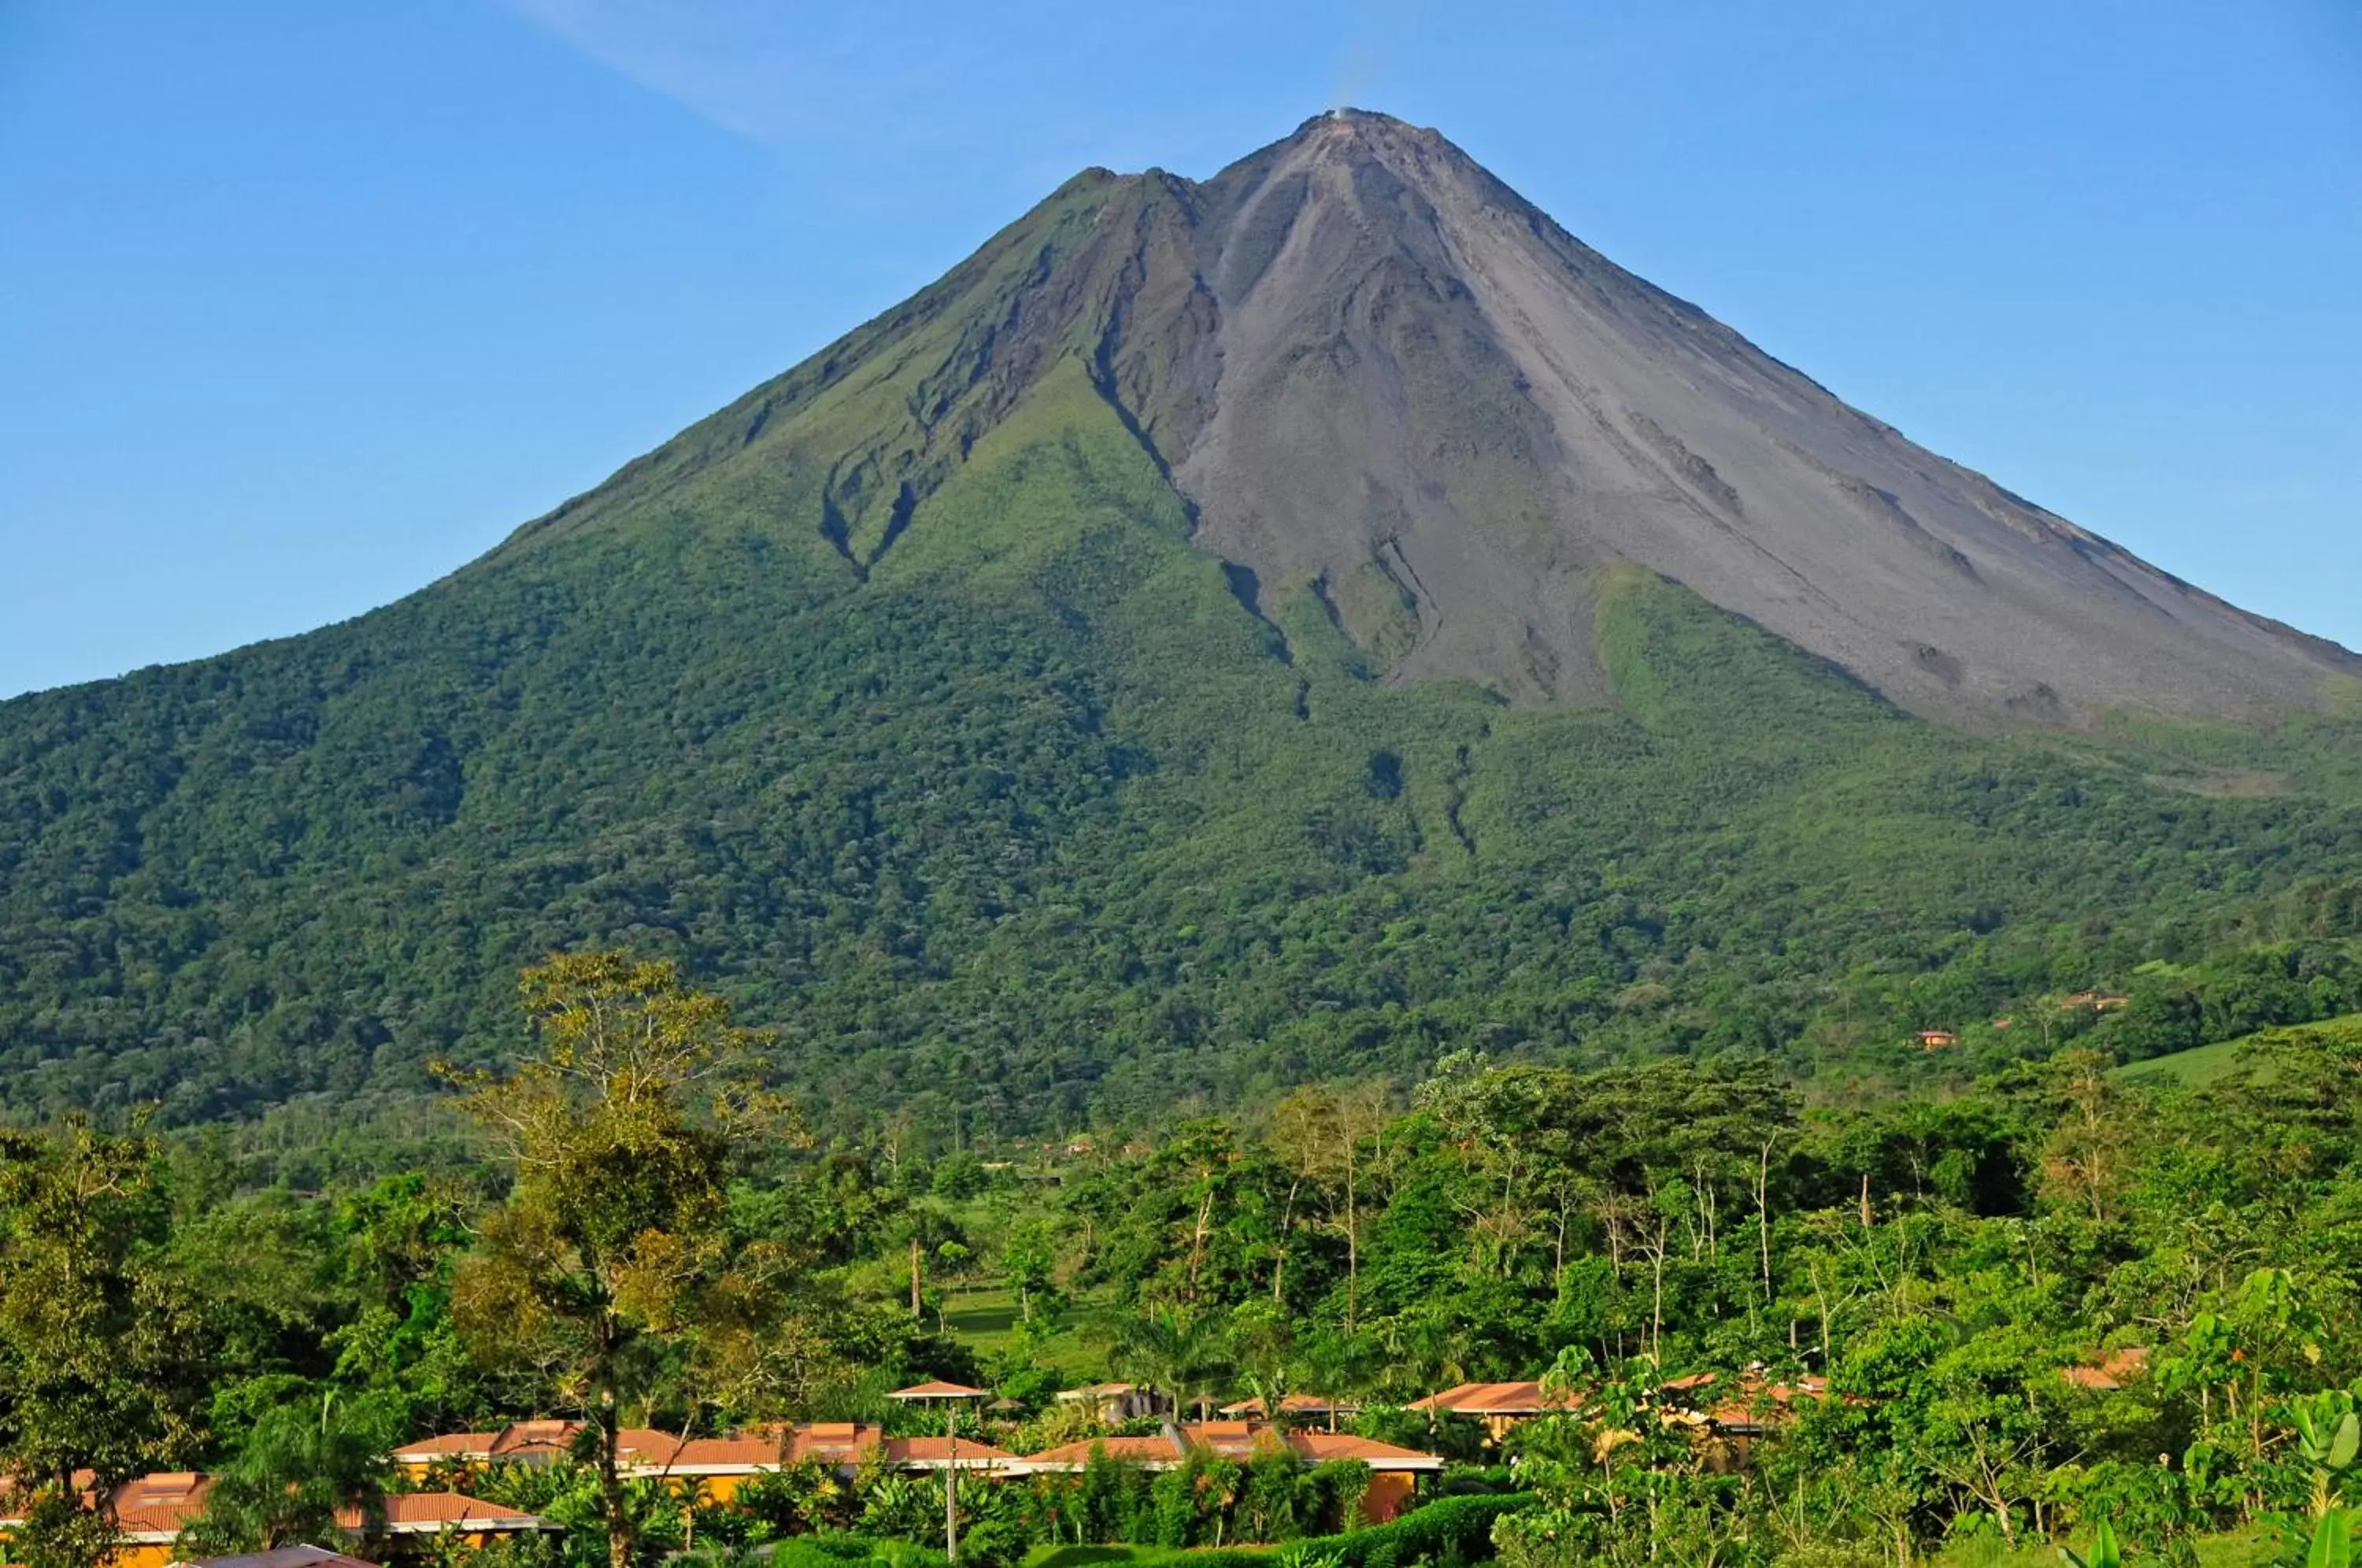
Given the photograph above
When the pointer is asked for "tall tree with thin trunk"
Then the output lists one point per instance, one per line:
(100, 1371)
(621, 1126)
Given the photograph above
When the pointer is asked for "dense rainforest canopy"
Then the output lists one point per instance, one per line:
(1946, 1265)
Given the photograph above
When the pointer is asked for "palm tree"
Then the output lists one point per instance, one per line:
(296, 1473)
(1176, 1354)
(1432, 1354)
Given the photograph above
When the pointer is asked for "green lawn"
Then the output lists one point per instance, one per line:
(985, 1318)
(2202, 1064)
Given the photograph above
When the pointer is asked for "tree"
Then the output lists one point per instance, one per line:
(2088, 1153)
(98, 1357)
(1323, 1137)
(1176, 1352)
(299, 1471)
(620, 1129)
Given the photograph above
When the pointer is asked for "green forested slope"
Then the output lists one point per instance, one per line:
(1034, 814)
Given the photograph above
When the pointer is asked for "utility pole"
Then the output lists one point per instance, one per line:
(951, 1486)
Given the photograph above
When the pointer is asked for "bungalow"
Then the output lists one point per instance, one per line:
(149, 1512)
(1499, 1406)
(722, 1464)
(1740, 1409)
(1394, 1472)
(2095, 1001)
(525, 1442)
(448, 1516)
(1936, 1039)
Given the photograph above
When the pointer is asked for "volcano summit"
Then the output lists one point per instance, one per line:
(1378, 376)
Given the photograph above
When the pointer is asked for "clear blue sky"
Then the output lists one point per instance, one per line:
(303, 305)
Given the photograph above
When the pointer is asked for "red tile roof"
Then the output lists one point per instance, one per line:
(154, 1507)
(935, 1453)
(1743, 1399)
(429, 1513)
(533, 1439)
(1320, 1447)
(1137, 1450)
(2118, 1368)
(1526, 1398)
(1293, 1405)
(1234, 1439)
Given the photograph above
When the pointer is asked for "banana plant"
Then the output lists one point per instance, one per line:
(2328, 1433)
(2333, 1538)
(2107, 1554)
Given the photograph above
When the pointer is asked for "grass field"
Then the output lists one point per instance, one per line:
(985, 1319)
(2203, 1064)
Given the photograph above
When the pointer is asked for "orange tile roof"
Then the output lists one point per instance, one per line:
(519, 1440)
(938, 1389)
(1745, 1395)
(428, 1513)
(841, 1443)
(936, 1452)
(154, 1507)
(1526, 1398)
(449, 1445)
(1293, 1405)
(1235, 1439)
(726, 1455)
(1320, 1447)
(2118, 1368)
(1138, 1450)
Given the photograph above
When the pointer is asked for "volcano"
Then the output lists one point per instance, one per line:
(1223, 633)
(1378, 376)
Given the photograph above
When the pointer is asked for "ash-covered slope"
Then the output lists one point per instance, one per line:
(1380, 377)
(1425, 394)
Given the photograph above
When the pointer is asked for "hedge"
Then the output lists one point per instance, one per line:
(1449, 1531)
(833, 1550)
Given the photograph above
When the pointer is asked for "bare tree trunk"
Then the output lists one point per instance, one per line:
(915, 1309)
(1197, 1240)
(1353, 1233)
(1763, 1212)
(620, 1534)
(1287, 1220)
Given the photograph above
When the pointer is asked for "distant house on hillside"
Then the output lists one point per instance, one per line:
(2095, 1001)
(1937, 1039)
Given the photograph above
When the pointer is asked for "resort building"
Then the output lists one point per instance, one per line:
(1394, 1472)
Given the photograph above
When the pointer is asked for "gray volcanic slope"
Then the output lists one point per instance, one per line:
(1378, 375)
(1377, 370)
